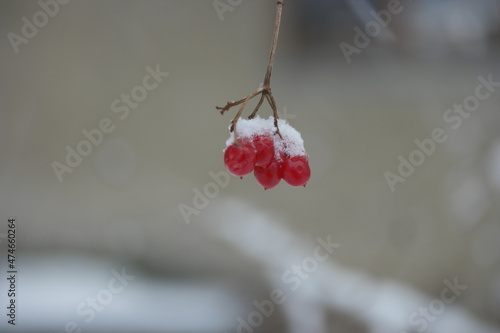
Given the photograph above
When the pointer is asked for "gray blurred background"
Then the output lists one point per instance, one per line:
(119, 208)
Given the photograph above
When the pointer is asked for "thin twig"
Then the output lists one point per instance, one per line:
(267, 78)
(258, 106)
(265, 88)
(272, 102)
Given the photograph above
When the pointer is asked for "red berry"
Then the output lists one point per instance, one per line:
(239, 159)
(269, 176)
(296, 171)
(264, 147)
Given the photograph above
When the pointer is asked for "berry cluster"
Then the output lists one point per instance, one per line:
(259, 149)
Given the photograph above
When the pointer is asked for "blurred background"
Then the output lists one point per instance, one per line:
(105, 246)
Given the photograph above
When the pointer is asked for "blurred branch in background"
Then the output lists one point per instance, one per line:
(311, 283)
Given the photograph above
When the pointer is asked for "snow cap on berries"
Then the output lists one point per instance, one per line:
(291, 144)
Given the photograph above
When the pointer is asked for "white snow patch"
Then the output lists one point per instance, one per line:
(291, 144)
